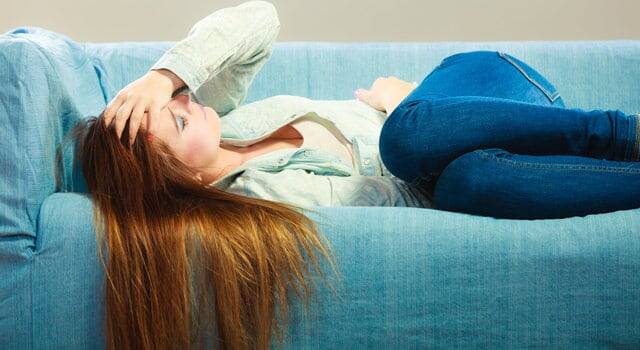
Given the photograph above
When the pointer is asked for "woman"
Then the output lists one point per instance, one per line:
(180, 163)
(188, 264)
(563, 167)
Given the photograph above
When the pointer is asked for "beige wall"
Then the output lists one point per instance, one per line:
(336, 20)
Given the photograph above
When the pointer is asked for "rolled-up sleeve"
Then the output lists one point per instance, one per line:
(223, 52)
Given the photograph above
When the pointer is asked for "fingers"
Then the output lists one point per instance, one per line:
(362, 94)
(112, 107)
(134, 121)
(122, 115)
(367, 97)
(154, 114)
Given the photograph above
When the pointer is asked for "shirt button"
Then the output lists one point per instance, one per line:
(367, 161)
(306, 153)
(282, 161)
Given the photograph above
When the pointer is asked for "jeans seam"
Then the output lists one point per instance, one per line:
(522, 164)
(551, 97)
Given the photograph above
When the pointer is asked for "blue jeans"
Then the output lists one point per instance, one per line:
(486, 134)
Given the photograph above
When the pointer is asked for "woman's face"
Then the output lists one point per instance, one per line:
(191, 130)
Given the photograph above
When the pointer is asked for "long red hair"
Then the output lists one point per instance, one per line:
(184, 260)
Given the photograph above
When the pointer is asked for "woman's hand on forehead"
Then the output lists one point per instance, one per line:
(141, 102)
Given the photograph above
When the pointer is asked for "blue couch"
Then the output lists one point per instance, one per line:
(412, 277)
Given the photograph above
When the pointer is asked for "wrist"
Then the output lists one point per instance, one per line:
(391, 102)
(173, 81)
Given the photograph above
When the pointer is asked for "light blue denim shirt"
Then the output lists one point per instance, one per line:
(219, 59)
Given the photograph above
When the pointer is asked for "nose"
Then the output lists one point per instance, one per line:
(185, 101)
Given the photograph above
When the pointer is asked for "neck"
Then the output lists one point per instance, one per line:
(228, 159)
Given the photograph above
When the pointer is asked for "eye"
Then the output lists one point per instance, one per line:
(182, 122)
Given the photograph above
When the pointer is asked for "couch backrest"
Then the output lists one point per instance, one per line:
(49, 82)
(588, 74)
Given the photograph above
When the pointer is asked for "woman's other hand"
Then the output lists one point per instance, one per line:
(149, 93)
(385, 94)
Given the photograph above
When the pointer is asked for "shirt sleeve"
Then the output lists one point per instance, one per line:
(223, 52)
(302, 188)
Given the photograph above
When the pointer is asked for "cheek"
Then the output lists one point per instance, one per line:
(202, 149)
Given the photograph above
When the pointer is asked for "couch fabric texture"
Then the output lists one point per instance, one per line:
(412, 277)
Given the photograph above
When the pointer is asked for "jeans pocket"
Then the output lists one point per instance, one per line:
(533, 76)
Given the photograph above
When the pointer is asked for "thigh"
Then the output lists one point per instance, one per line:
(494, 182)
(487, 73)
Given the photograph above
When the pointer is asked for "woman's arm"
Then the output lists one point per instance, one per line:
(223, 52)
